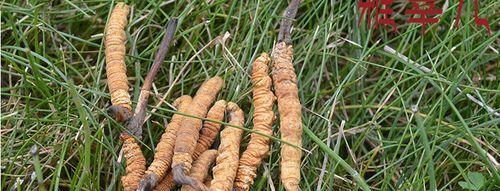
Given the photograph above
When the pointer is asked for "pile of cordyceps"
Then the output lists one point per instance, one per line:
(182, 155)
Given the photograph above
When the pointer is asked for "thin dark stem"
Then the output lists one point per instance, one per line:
(135, 125)
(284, 34)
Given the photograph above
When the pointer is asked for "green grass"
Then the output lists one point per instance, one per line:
(406, 128)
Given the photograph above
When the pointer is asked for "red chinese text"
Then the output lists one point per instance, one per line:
(477, 20)
(367, 7)
(424, 13)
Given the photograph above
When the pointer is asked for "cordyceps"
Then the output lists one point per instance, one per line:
(116, 71)
(263, 117)
(207, 135)
(165, 148)
(289, 107)
(136, 163)
(210, 129)
(188, 133)
(201, 167)
(227, 160)
(120, 98)
(135, 160)
(167, 183)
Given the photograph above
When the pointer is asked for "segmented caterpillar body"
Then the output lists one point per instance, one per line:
(116, 70)
(227, 160)
(135, 163)
(165, 148)
(289, 107)
(188, 134)
(210, 129)
(167, 183)
(201, 167)
(263, 117)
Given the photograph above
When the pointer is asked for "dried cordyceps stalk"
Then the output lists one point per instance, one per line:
(165, 148)
(200, 169)
(289, 107)
(227, 160)
(210, 129)
(116, 70)
(135, 124)
(263, 117)
(167, 183)
(135, 163)
(188, 133)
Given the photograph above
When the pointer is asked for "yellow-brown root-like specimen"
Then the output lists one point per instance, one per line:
(116, 71)
(285, 87)
(289, 107)
(263, 117)
(188, 133)
(165, 148)
(227, 160)
(167, 183)
(201, 168)
(135, 163)
(210, 129)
